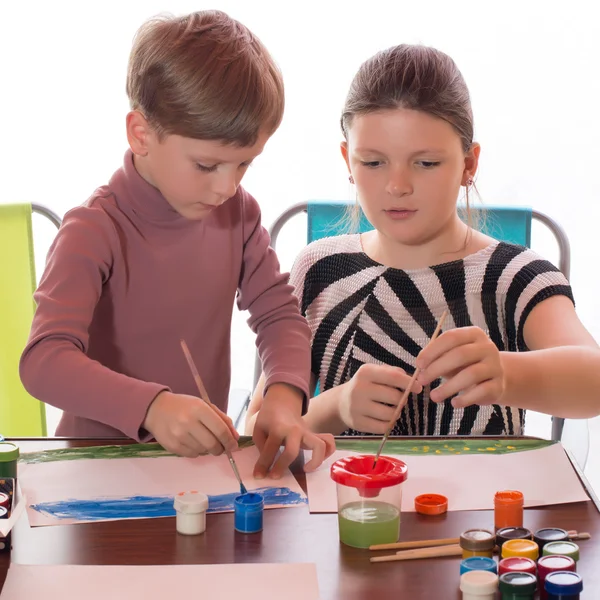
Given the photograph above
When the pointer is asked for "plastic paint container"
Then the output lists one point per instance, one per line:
(563, 548)
(477, 542)
(9, 455)
(563, 585)
(4, 500)
(550, 564)
(478, 563)
(508, 509)
(517, 586)
(190, 512)
(249, 510)
(479, 585)
(431, 504)
(519, 564)
(525, 548)
(549, 534)
(512, 533)
(3, 513)
(369, 500)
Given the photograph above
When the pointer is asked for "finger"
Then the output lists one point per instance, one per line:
(386, 375)
(183, 449)
(456, 359)
(213, 420)
(329, 443)
(227, 420)
(289, 454)
(369, 425)
(319, 448)
(471, 376)
(202, 440)
(267, 455)
(379, 412)
(484, 394)
(259, 436)
(444, 343)
(389, 395)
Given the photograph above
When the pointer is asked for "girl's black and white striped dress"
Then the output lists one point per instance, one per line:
(360, 311)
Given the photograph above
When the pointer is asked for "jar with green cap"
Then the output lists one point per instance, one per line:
(9, 455)
(569, 549)
(517, 586)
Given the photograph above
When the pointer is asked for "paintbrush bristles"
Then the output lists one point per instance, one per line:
(407, 392)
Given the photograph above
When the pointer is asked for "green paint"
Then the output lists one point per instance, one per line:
(439, 447)
(107, 452)
(363, 524)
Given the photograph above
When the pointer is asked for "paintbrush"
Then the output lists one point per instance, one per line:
(204, 396)
(407, 392)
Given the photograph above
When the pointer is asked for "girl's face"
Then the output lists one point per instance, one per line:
(408, 167)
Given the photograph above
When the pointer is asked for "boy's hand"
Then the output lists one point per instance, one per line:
(278, 423)
(188, 426)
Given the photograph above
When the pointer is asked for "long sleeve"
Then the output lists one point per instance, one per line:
(55, 367)
(283, 336)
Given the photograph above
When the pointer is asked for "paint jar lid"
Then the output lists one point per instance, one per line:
(550, 534)
(8, 452)
(526, 548)
(554, 562)
(431, 504)
(3, 512)
(478, 563)
(518, 583)
(564, 583)
(358, 472)
(564, 548)
(249, 502)
(477, 540)
(516, 563)
(190, 502)
(508, 498)
(4, 499)
(512, 533)
(478, 582)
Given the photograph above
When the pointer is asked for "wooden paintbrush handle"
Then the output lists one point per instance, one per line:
(452, 550)
(416, 544)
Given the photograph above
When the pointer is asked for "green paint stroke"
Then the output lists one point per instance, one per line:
(153, 450)
(448, 447)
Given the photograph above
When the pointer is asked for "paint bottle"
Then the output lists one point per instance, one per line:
(512, 533)
(563, 585)
(517, 586)
(478, 585)
(478, 563)
(190, 512)
(477, 542)
(524, 548)
(569, 549)
(9, 455)
(249, 509)
(549, 534)
(519, 564)
(508, 509)
(550, 564)
(369, 500)
(4, 500)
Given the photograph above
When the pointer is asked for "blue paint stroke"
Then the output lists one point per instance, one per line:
(148, 507)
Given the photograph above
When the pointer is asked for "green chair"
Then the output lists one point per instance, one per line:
(507, 223)
(20, 414)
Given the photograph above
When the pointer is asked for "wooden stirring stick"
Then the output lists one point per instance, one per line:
(453, 550)
(407, 392)
(204, 396)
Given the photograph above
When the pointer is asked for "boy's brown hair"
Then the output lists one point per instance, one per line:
(204, 76)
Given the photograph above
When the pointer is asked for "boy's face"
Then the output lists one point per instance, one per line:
(194, 176)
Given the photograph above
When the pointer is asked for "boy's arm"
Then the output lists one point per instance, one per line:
(54, 366)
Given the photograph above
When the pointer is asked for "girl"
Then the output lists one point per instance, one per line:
(512, 340)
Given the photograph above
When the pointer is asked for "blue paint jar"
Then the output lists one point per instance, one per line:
(563, 585)
(249, 509)
(478, 563)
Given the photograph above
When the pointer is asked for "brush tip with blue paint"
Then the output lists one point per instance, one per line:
(248, 512)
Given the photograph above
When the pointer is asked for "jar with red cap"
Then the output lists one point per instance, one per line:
(550, 564)
(369, 499)
(517, 564)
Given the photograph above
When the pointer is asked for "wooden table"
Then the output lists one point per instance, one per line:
(289, 535)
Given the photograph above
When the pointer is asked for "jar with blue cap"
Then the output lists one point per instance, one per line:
(478, 563)
(563, 585)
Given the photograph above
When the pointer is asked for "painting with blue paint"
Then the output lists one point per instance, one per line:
(147, 507)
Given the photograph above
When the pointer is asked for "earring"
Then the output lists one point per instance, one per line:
(469, 182)
(351, 179)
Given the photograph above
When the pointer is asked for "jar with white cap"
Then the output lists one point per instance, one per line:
(479, 585)
(190, 512)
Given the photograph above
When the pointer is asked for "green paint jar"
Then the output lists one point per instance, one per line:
(9, 455)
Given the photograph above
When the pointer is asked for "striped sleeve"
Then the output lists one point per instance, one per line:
(534, 280)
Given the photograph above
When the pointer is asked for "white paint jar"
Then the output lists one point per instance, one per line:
(190, 512)
(478, 585)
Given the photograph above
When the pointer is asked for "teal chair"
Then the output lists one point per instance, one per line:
(508, 223)
(20, 414)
